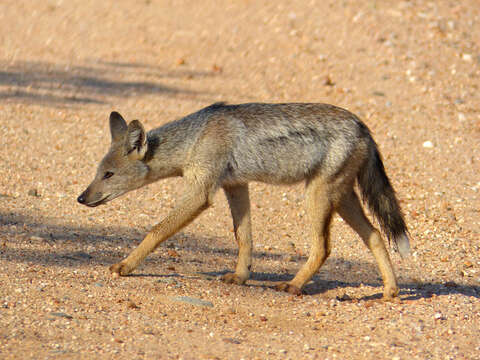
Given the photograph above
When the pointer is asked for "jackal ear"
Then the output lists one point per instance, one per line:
(118, 126)
(136, 141)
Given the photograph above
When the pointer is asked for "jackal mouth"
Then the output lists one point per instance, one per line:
(99, 202)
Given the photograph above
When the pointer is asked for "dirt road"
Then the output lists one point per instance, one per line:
(410, 69)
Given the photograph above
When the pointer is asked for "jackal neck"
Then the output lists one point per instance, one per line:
(165, 154)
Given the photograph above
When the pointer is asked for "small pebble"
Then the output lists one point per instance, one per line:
(33, 192)
(62, 315)
(192, 301)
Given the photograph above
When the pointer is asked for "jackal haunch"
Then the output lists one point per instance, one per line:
(227, 146)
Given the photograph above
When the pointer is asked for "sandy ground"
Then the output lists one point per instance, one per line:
(410, 69)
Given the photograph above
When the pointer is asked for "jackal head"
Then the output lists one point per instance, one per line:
(122, 169)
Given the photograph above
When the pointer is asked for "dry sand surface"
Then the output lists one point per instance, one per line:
(410, 69)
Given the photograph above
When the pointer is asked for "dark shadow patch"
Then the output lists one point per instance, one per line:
(155, 71)
(32, 97)
(17, 228)
(99, 83)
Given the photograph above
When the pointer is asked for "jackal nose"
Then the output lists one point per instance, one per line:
(81, 198)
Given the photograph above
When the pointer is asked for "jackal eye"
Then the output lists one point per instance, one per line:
(108, 174)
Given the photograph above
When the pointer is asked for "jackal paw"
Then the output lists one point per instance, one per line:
(291, 289)
(232, 278)
(120, 269)
(390, 293)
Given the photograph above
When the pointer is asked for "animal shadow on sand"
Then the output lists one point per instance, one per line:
(94, 82)
(17, 229)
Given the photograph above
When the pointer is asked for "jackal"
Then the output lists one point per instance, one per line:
(227, 146)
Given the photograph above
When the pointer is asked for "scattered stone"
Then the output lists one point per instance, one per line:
(192, 301)
(217, 69)
(232, 341)
(82, 255)
(344, 297)
(427, 144)
(132, 305)
(328, 81)
(168, 281)
(34, 192)
(62, 315)
(173, 253)
(79, 255)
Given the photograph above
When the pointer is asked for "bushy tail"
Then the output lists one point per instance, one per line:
(379, 195)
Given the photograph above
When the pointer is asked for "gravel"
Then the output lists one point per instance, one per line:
(410, 69)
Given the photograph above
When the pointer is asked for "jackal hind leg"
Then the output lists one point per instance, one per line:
(319, 209)
(238, 199)
(351, 211)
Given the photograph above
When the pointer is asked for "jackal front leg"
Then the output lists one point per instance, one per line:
(189, 208)
(239, 202)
